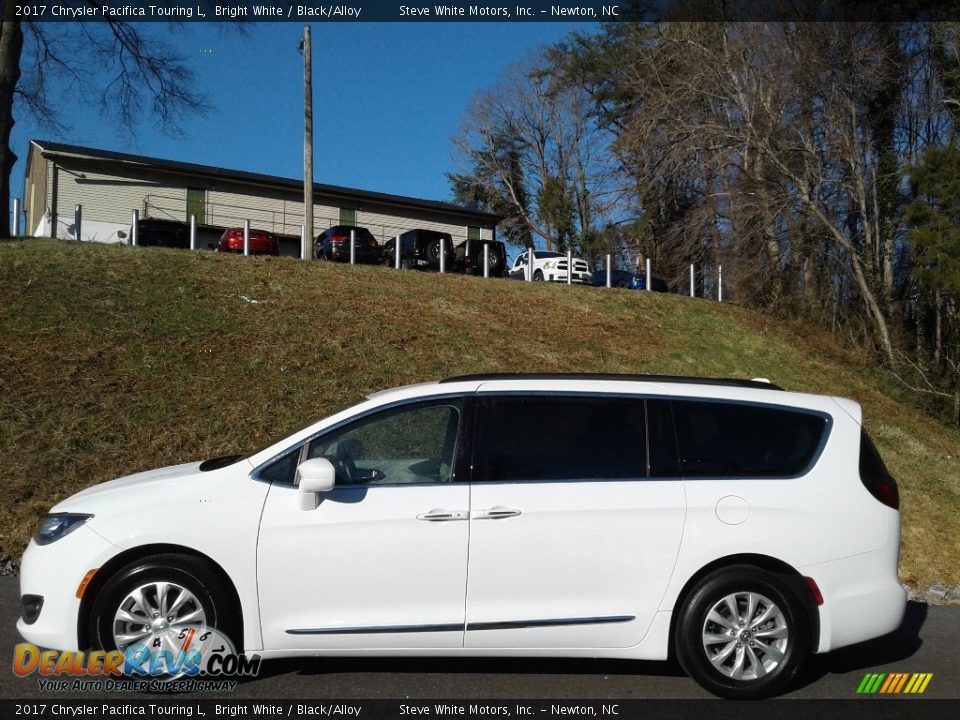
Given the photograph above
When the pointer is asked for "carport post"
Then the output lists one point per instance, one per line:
(649, 276)
(303, 243)
(719, 283)
(569, 267)
(193, 232)
(486, 260)
(530, 263)
(692, 282)
(396, 248)
(16, 217)
(443, 254)
(77, 219)
(134, 227)
(246, 238)
(353, 250)
(609, 272)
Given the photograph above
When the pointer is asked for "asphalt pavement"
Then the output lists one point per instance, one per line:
(928, 641)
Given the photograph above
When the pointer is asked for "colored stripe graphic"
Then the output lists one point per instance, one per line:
(894, 683)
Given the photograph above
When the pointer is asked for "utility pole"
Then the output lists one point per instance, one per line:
(306, 242)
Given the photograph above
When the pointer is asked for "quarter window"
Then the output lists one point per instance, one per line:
(719, 439)
(563, 438)
(406, 445)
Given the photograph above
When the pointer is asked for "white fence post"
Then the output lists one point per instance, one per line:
(134, 227)
(353, 250)
(246, 238)
(307, 252)
(486, 260)
(609, 272)
(530, 263)
(16, 217)
(443, 254)
(719, 283)
(649, 275)
(692, 282)
(569, 267)
(396, 248)
(193, 232)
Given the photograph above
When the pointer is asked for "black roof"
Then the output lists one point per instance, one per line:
(48, 148)
(734, 382)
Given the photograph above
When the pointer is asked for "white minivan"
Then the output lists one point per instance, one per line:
(728, 523)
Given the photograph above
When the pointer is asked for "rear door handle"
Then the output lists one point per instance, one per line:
(441, 515)
(498, 512)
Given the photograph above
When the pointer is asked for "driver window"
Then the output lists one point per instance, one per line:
(404, 446)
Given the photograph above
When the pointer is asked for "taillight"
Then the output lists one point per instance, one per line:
(338, 238)
(372, 242)
(874, 474)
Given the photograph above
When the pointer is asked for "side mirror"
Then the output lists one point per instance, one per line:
(317, 475)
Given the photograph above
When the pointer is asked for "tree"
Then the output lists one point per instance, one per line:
(534, 153)
(127, 66)
(934, 219)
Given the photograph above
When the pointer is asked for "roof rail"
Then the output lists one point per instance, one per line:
(760, 384)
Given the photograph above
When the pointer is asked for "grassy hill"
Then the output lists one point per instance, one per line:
(120, 359)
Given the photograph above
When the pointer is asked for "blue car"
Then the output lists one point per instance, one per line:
(629, 280)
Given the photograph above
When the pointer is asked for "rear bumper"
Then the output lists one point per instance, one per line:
(361, 256)
(862, 598)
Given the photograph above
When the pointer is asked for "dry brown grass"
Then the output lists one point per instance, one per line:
(119, 359)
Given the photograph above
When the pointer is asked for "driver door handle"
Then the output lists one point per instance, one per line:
(440, 515)
(498, 512)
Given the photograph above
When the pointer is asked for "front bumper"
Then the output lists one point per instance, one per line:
(54, 572)
(561, 277)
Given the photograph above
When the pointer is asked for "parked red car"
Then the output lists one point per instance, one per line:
(261, 242)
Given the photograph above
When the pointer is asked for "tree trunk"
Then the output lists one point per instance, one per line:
(11, 45)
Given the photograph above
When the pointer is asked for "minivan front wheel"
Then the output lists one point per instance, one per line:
(155, 598)
(742, 634)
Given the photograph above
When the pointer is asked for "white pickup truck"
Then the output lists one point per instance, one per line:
(552, 267)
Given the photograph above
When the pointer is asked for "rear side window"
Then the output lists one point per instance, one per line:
(562, 438)
(718, 439)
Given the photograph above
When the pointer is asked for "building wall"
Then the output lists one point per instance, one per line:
(107, 199)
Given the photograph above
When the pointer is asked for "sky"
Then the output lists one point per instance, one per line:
(388, 100)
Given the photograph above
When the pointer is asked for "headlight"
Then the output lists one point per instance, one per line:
(549, 264)
(56, 525)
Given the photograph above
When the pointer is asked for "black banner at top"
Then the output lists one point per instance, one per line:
(307, 11)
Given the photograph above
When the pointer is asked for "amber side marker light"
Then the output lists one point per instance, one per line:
(86, 581)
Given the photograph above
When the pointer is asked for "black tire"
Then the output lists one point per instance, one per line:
(538, 276)
(186, 571)
(493, 261)
(433, 251)
(620, 284)
(769, 654)
(404, 264)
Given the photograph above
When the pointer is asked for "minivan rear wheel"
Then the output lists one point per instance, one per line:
(742, 633)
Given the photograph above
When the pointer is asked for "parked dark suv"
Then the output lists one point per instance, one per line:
(420, 249)
(334, 244)
(469, 255)
(158, 232)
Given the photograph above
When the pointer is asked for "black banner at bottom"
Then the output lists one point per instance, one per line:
(853, 709)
